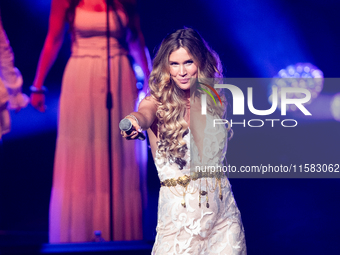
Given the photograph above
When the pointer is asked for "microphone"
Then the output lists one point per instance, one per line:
(126, 126)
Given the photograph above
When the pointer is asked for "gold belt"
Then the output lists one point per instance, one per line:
(185, 180)
(182, 181)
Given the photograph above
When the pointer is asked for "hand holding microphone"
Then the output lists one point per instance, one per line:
(130, 131)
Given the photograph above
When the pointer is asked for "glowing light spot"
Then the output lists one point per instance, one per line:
(300, 75)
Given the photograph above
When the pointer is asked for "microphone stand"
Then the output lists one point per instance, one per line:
(109, 107)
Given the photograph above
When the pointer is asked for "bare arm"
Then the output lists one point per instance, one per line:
(146, 112)
(53, 42)
(145, 115)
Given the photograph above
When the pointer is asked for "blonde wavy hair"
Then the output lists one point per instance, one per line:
(171, 99)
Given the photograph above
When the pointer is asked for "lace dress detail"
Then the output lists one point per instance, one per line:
(194, 229)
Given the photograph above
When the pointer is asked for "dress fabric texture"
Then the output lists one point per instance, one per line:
(10, 83)
(217, 229)
(80, 193)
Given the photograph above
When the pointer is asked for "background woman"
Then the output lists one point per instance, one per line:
(197, 213)
(80, 193)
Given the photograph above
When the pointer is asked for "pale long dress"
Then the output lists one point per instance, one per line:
(80, 193)
(213, 230)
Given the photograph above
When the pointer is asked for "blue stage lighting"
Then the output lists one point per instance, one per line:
(300, 75)
(139, 75)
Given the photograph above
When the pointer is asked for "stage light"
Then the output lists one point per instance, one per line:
(139, 74)
(301, 75)
(335, 107)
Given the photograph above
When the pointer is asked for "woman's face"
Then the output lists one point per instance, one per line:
(182, 68)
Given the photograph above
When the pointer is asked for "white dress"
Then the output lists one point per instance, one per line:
(10, 83)
(80, 193)
(216, 229)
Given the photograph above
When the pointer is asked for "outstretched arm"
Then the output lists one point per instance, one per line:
(53, 42)
(145, 115)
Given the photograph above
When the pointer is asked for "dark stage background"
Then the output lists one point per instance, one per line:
(254, 39)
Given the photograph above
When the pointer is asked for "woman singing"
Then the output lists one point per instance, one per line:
(197, 213)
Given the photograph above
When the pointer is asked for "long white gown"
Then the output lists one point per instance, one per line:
(80, 193)
(217, 229)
